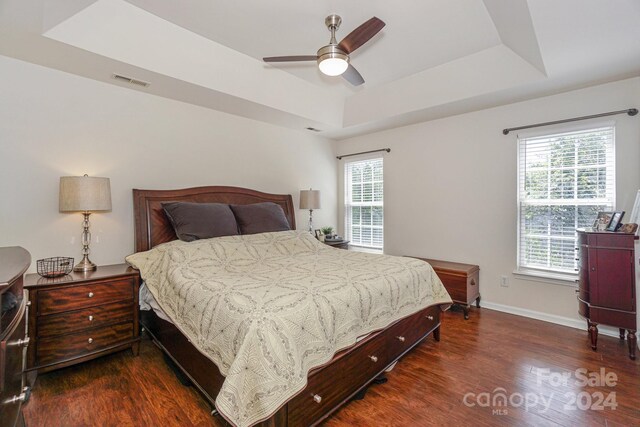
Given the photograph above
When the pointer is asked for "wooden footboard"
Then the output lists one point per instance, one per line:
(329, 386)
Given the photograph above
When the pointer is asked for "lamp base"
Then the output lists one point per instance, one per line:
(311, 221)
(85, 265)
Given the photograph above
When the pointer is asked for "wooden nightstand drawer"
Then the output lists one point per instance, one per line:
(77, 297)
(93, 317)
(63, 347)
(342, 244)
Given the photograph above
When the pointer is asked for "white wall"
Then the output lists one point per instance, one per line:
(54, 124)
(450, 187)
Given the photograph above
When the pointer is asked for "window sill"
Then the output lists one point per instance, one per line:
(547, 277)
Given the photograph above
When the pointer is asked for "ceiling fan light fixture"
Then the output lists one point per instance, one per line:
(332, 61)
(333, 66)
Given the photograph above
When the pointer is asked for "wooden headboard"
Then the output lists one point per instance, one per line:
(152, 227)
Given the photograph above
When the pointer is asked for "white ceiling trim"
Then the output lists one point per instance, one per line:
(514, 25)
(464, 78)
(126, 33)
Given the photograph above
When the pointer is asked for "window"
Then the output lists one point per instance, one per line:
(364, 203)
(564, 180)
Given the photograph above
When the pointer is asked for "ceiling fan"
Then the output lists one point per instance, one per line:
(333, 59)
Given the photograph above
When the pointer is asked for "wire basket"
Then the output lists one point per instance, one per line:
(54, 267)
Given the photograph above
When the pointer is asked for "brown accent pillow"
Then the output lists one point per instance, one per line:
(195, 221)
(260, 218)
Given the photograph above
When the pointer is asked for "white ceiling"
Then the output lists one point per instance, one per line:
(415, 38)
(434, 58)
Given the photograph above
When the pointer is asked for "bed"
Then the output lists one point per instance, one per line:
(328, 385)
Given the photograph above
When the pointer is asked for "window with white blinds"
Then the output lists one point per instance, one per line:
(565, 179)
(364, 203)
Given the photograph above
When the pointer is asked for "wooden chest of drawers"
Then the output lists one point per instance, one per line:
(82, 316)
(462, 281)
(14, 261)
(606, 283)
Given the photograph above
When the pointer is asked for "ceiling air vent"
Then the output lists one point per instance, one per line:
(313, 129)
(130, 80)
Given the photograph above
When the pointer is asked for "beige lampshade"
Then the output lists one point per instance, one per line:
(309, 199)
(84, 193)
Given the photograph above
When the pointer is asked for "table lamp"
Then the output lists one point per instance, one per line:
(310, 199)
(85, 194)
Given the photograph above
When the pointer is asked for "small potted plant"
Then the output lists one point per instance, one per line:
(327, 231)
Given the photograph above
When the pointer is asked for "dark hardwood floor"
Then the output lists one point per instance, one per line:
(490, 353)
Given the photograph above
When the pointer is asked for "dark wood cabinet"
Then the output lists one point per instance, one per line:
(340, 244)
(14, 261)
(462, 281)
(606, 279)
(82, 316)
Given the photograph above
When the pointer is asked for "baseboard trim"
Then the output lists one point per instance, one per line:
(551, 318)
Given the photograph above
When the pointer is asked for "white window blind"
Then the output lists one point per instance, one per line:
(364, 203)
(565, 179)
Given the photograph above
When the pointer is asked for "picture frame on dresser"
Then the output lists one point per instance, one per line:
(615, 221)
(602, 220)
(635, 212)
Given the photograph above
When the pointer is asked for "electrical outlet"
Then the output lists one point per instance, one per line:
(72, 240)
(504, 281)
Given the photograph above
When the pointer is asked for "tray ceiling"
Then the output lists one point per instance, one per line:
(432, 59)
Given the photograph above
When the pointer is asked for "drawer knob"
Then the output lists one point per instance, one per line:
(400, 338)
(90, 294)
(430, 317)
(20, 342)
(90, 318)
(317, 398)
(90, 340)
(373, 358)
(15, 399)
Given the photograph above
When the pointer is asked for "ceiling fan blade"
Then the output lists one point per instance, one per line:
(361, 35)
(353, 76)
(290, 58)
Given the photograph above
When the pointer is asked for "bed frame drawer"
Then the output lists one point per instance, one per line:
(320, 396)
(367, 361)
(93, 317)
(78, 297)
(407, 332)
(56, 349)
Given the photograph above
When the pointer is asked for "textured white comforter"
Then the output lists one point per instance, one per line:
(267, 308)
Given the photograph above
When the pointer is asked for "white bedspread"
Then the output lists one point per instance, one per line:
(267, 308)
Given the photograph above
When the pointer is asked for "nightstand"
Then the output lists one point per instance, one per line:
(81, 316)
(340, 244)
